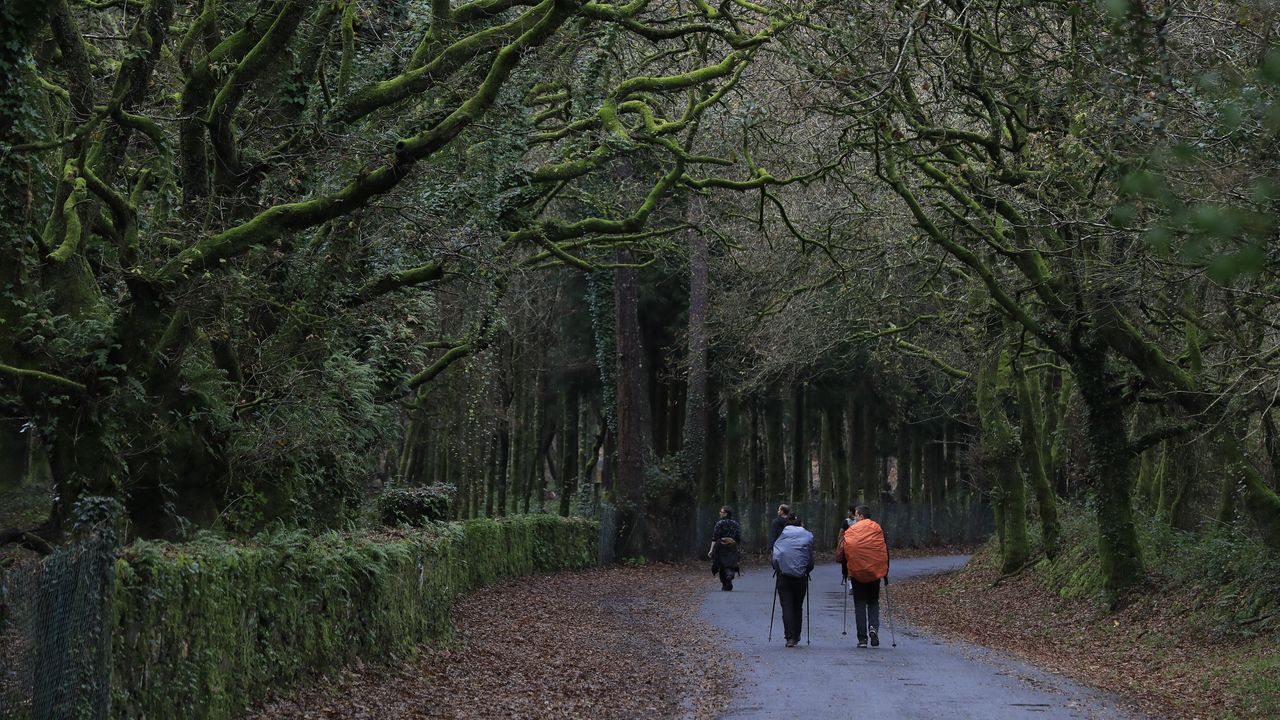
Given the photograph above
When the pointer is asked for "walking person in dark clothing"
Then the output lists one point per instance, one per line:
(724, 548)
(779, 522)
(793, 561)
(844, 568)
(867, 562)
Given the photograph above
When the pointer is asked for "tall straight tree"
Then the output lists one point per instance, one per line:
(693, 448)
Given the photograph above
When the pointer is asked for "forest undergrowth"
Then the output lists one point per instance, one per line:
(1197, 638)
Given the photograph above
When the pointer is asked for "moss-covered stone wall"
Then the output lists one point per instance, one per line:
(203, 629)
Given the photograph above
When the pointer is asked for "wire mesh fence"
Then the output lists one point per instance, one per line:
(905, 525)
(55, 633)
(687, 533)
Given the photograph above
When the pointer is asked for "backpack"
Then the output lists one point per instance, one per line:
(839, 554)
(866, 556)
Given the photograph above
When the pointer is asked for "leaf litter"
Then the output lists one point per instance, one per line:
(617, 642)
(1151, 653)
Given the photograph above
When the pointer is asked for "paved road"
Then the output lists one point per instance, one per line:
(923, 678)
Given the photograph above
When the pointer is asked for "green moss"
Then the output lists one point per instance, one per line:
(205, 628)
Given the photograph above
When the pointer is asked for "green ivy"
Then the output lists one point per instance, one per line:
(416, 506)
(600, 303)
(203, 629)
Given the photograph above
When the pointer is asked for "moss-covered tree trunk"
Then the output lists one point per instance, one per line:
(1262, 504)
(1110, 470)
(1000, 452)
(1029, 399)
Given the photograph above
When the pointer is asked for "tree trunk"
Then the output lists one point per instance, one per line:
(693, 448)
(734, 447)
(491, 475)
(799, 446)
(755, 455)
(569, 447)
(839, 456)
(1110, 470)
(869, 492)
(853, 441)
(634, 445)
(15, 452)
(504, 467)
(1046, 500)
(1000, 450)
(1262, 504)
(917, 465)
(903, 489)
(775, 451)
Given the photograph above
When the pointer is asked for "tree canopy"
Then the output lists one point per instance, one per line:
(261, 260)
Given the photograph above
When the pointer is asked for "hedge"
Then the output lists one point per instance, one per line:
(205, 628)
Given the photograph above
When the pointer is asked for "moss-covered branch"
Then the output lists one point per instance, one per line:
(602, 241)
(452, 355)
(936, 360)
(421, 77)
(42, 376)
(398, 280)
(992, 284)
(275, 221)
(264, 53)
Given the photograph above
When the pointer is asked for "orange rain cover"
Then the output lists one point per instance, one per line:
(864, 551)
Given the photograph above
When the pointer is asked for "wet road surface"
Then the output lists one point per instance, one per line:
(924, 677)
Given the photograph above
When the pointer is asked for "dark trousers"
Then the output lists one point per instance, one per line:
(866, 607)
(791, 592)
(726, 578)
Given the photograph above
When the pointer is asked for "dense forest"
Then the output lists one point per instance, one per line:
(262, 262)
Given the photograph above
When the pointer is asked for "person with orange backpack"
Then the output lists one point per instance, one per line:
(867, 563)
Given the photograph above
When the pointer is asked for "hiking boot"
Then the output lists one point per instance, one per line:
(862, 643)
(792, 643)
(875, 637)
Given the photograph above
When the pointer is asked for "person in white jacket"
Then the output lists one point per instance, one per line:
(792, 563)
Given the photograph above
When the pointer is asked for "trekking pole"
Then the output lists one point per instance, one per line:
(844, 614)
(774, 607)
(889, 607)
(808, 611)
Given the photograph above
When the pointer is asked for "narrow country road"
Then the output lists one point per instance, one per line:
(923, 678)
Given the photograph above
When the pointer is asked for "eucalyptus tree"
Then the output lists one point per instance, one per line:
(1021, 143)
(228, 206)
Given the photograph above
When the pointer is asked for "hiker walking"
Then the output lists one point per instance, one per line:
(724, 548)
(867, 564)
(792, 563)
(779, 522)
